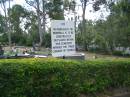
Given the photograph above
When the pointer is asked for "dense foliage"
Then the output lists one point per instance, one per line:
(110, 34)
(59, 78)
(26, 27)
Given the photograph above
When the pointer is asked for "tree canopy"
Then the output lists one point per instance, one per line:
(31, 26)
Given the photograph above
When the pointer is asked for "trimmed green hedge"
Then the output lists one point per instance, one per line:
(59, 78)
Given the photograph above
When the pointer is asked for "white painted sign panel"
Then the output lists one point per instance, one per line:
(62, 38)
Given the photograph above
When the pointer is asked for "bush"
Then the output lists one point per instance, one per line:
(59, 78)
(118, 53)
(121, 53)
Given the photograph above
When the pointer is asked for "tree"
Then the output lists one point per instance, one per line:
(2, 24)
(96, 5)
(3, 35)
(55, 9)
(7, 26)
(17, 13)
(121, 12)
(31, 26)
(37, 4)
(9, 32)
(52, 8)
(89, 35)
(114, 31)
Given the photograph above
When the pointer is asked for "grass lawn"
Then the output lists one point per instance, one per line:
(91, 56)
(88, 55)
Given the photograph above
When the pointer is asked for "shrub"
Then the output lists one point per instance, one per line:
(59, 78)
(118, 53)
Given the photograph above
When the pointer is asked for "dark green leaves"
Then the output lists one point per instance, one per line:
(59, 78)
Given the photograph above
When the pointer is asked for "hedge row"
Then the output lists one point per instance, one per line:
(59, 78)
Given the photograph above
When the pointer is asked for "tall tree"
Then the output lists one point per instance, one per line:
(114, 31)
(5, 10)
(53, 8)
(96, 5)
(37, 5)
(3, 35)
(56, 10)
(31, 27)
(39, 23)
(9, 30)
(89, 35)
(17, 12)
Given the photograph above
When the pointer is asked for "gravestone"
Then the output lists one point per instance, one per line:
(63, 40)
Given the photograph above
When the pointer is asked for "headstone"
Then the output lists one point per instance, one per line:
(63, 38)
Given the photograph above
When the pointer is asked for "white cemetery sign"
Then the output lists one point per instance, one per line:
(62, 38)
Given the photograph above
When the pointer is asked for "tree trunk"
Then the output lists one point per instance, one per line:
(83, 22)
(44, 18)
(86, 46)
(108, 48)
(6, 20)
(39, 23)
(9, 28)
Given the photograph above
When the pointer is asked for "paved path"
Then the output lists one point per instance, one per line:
(126, 95)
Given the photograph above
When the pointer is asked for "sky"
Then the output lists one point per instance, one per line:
(89, 13)
(19, 1)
